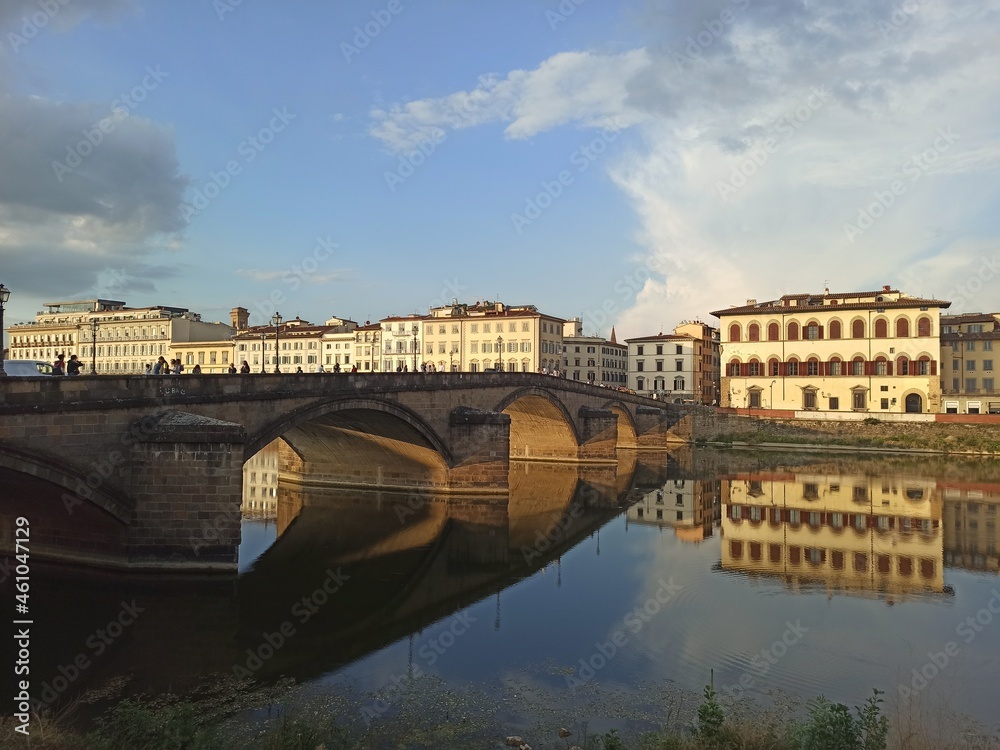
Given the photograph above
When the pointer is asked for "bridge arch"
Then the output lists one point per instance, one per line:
(628, 432)
(358, 442)
(540, 426)
(77, 484)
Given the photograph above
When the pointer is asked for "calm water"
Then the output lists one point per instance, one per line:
(801, 574)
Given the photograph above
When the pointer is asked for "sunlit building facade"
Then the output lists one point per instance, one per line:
(970, 346)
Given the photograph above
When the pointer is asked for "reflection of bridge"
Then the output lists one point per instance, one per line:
(150, 468)
(409, 560)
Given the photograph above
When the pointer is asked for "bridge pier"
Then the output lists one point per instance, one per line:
(480, 443)
(186, 481)
(598, 435)
(656, 428)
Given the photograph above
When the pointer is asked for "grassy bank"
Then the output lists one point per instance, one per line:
(425, 713)
(971, 442)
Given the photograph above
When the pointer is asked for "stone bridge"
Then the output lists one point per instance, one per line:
(148, 470)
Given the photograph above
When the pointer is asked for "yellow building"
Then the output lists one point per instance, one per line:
(110, 337)
(833, 356)
(688, 506)
(836, 532)
(970, 345)
(971, 536)
(489, 336)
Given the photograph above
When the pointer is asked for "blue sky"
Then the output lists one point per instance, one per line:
(636, 162)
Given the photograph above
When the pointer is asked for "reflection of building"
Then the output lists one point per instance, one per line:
(855, 352)
(260, 483)
(839, 532)
(970, 525)
(688, 506)
(968, 381)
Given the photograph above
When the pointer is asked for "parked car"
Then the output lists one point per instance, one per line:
(26, 368)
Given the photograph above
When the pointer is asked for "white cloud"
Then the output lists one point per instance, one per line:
(744, 102)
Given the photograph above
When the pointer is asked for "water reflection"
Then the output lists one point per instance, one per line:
(838, 532)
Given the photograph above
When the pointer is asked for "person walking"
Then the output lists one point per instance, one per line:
(232, 368)
(161, 366)
(73, 366)
(59, 366)
(245, 368)
(149, 369)
(320, 368)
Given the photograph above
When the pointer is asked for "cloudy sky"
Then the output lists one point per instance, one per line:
(635, 162)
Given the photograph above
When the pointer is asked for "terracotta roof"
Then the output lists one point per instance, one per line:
(968, 318)
(664, 337)
(775, 306)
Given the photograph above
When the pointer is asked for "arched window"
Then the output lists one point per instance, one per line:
(734, 332)
(924, 326)
(858, 366)
(902, 328)
(793, 366)
(902, 366)
(734, 368)
(813, 332)
(881, 366)
(753, 332)
(836, 366)
(754, 368)
(773, 367)
(812, 366)
(793, 331)
(858, 329)
(773, 331)
(835, 329)
(881, 328)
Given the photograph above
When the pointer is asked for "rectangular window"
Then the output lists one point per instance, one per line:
(679, 365)
(988, 365)
(859, 399)
(970, 346)
(988, 385)
(640, 365)
(638, 350)
(486, 327)
(884, 403)
(970, 365)
(659, 365)
(475, 327)
(659, 348)
(987, 346)
(970, 385)
(956, 384)
(812, 367)
(834, 403)
(680, 349)
(512, 327)
(525, 326)
(809, 399)
(956, 364)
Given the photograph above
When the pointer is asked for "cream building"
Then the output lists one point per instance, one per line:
(689, 507)
(117, 339)
(971, 535)
(368, 347)
(400, 343)
(835, 532)
(866, 353)
(260, 483)
(489, 336)
(294, 344)
(593, 359)
(970, 346)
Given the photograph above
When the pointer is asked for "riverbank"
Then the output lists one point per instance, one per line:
(425, 713)
(713, 428)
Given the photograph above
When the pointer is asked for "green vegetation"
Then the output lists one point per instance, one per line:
(970, 442)
(425, 713)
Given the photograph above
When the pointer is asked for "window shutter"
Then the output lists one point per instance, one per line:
(821, 332)
(933, 367)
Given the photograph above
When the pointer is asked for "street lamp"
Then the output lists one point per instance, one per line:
(4, 296)
(276, 322)
(263, 349)
(415, 332)
(93, 346)
(499, 353)
(376, 350)
(451, 360)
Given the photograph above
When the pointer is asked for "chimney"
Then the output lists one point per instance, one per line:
(240, 318)
(886, 288)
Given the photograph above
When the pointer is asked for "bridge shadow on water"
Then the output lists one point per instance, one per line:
(352, 571)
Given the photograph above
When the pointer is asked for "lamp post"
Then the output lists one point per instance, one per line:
(451, 361)
(263, 349)
(376, 351)
(4, 296)
(499, 353)
(276, 322)
(93, 346)
(416, 331)
(770, 404)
